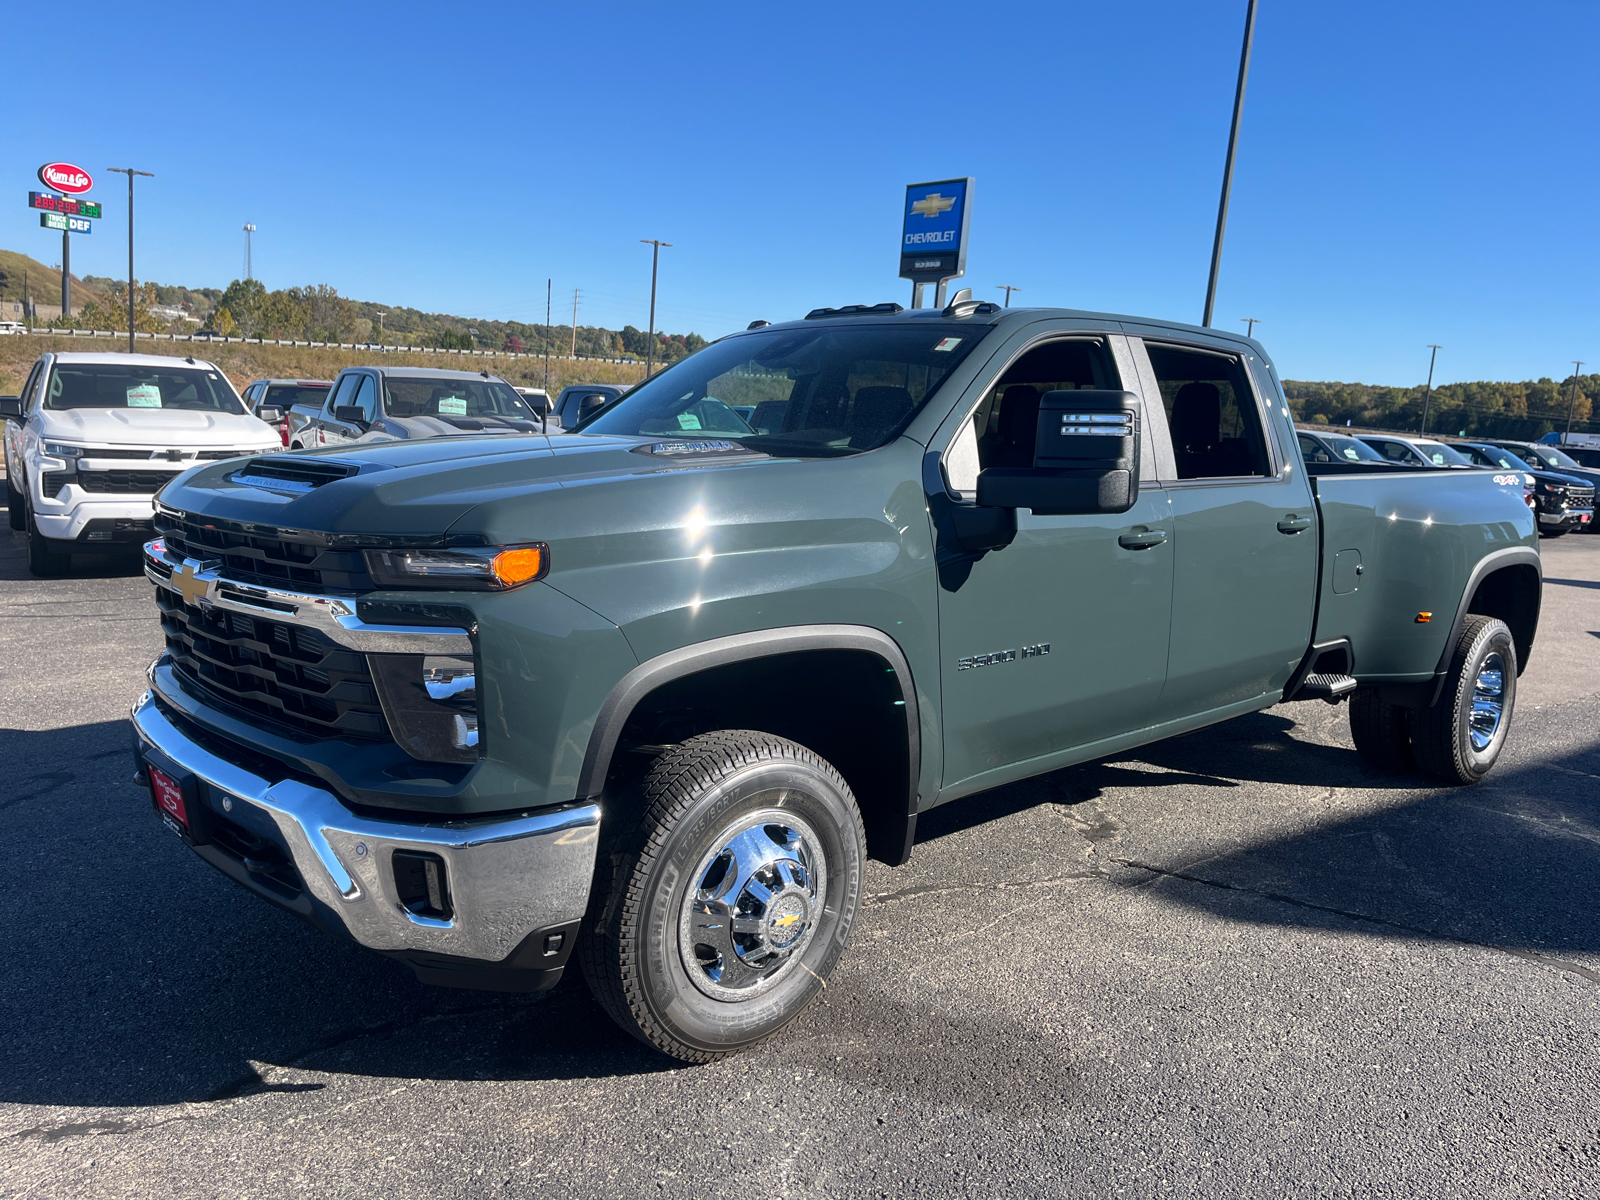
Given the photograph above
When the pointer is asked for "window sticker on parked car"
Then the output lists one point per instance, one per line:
(947, 343)
(144, 395)
(688, 421)
(452, 406)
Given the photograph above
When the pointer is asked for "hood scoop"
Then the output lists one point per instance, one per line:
(280, 473)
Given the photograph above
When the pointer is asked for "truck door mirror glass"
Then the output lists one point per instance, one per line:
(11, 406)
(1086, 458)
(590, 405)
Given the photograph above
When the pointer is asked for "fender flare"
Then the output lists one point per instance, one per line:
(763, 643)
(1510, 556)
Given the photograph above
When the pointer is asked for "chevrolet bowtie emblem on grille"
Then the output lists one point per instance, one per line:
(187, 582)
(933, 205)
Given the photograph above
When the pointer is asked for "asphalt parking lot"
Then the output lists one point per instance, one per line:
(1235, 964)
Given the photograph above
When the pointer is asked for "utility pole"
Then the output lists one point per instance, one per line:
(130, 173)
(1428, 394)
(1250, 325)
(1007, 289)
(1227, 171)
(547, 332)
(574, 323)
(27, 301)
(1572, 404)
(381, 338)
(655, 263)
(248, 264)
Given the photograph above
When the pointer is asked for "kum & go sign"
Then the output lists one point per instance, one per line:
(64, 177)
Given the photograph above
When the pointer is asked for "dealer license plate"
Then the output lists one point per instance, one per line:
(168, 796)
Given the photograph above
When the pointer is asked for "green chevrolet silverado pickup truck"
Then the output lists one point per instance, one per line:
(648, 695)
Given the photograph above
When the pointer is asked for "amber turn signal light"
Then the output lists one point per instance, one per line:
(512, 567)
(1424, 617)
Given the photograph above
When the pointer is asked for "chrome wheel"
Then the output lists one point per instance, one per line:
(1488, 702)
(752, 905)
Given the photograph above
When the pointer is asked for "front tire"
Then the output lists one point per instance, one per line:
(1460, 737)
(720, 913)
(47, 558)
(16, 507)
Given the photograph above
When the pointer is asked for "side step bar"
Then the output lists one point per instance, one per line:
(1329, 687)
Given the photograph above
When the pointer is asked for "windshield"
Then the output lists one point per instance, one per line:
(1555, 458)
(287, 395)
(1441, 455)
(1350, 448)
(1493, 456)
(454, 398)
(820, 392)
(114, 385)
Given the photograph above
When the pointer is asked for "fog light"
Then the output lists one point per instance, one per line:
(421, 884)
(466, 732)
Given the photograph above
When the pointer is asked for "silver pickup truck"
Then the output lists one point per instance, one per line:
(388, 404)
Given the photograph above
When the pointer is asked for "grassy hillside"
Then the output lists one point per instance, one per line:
(243, 363)
(42, 281)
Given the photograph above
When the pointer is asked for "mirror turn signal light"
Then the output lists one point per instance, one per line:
(1424, 617)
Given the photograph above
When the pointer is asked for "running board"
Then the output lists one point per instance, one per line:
(1329, 687)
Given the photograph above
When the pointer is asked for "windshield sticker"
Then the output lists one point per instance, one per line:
(452, 406)
(947, 344)
(144, 395)
(688, 421)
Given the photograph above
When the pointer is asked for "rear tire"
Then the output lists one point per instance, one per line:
(16, 507)
(720, 913)
(1382, 732)
(1554, 533)
(1459, 738)
(47, 558)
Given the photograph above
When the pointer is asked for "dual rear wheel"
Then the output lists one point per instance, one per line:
(1457, 739)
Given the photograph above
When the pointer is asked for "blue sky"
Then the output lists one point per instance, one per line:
(1408, 173)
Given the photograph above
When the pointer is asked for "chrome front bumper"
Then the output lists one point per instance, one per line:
(507, 878)
(1572, 516)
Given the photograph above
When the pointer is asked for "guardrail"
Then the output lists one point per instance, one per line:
(372, 346)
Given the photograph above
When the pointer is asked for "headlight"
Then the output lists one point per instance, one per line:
(487, 568)
(62, 450)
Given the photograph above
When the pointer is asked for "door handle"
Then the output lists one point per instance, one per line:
(1143, 539)
(1294, 524)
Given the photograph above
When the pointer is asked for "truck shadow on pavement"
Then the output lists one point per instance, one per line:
(139, 976)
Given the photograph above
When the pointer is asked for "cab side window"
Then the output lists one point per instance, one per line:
(1002, 429)
(367, 400)
(1311, 451)
(1397, 452)
(1211, 413)
(340, 395)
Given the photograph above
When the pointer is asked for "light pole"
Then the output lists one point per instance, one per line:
(381, 339)
(130, 173)
(1227, 171)
(1428, 394)
(1573, 403)
(655, 262)
(1250, 324)
(1007, 289)
(248, 264)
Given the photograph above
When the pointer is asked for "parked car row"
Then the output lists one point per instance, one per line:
(1559, 490)
(93, 437)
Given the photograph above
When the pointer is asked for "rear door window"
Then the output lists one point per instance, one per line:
(1212, 413)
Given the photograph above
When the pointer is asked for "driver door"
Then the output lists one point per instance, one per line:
(1058, 640)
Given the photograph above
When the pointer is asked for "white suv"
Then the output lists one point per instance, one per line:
(93, 437)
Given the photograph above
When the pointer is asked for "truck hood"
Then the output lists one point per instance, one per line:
(155, 427)
(423, 488)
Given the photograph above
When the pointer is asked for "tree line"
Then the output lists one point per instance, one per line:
(1526, 410)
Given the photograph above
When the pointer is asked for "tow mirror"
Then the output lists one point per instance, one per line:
(270, 414)
(350, 414)
(590, 405)
(11, 406)
(1086, 458)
